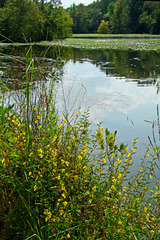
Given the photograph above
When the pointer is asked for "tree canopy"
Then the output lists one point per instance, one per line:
(33, 20)
(36, 20)
(123, 16)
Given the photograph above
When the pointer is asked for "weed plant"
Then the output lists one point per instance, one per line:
(59, 180)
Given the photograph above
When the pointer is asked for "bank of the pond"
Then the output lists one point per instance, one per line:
(110, 44)
(123, 42)
(129, 36)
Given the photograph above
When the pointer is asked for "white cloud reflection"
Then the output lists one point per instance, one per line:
(106, 93)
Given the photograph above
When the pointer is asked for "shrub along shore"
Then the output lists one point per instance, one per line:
(60, 180)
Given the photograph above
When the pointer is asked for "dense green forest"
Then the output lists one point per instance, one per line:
(116, 16)
(33, 20)
(36, 20)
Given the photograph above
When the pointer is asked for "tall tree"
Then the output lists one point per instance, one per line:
(150, 17)
(122, 16)
(135, 11)
(58, 23)
(21, 20)
(54, 3)
(26, 20)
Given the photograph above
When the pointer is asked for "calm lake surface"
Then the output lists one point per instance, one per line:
(119, 87)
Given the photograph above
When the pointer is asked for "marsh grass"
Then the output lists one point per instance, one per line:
(112, 43)
(60, 180)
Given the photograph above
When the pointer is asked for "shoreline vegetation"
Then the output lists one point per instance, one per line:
(60, 180)
(139, 36)
(123, 42)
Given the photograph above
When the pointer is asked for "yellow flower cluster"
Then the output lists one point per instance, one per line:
(48, 215)
(40, 153)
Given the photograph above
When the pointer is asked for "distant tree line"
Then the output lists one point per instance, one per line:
(116, 16)
(36, 20)
(33, 20)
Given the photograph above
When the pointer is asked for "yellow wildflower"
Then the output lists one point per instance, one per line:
(113, 187)
(120, 176)
(67, 163)
(101, 128)
(80, 157)
(114, 180)
(64, 121)
(48, 215)
(75, 177)
(63, 195)
(35, 187)
(58, 177)
(104, 160)
(86, 112)
(118, 161)
(119, 222)
(65, 203)
(3, 160)
(133, 150)
(152, 232)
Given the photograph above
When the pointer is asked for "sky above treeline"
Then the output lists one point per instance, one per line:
(68, 3)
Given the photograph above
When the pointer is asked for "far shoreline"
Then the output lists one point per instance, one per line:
(122, 42)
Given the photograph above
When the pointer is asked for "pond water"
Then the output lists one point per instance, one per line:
(120, 88)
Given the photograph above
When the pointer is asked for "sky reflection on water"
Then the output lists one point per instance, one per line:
(120, 104)
(119, 87)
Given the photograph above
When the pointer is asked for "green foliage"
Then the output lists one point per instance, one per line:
(21, 21)
(110, 41)
(59, 180)
(150, 17)
(124, 16)
(103, 27)
(28, 21)
(86, 19)
(2, 3)
(121, 17)
(58, 24)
